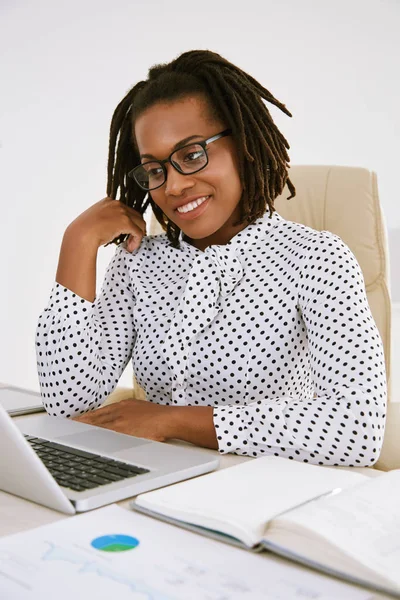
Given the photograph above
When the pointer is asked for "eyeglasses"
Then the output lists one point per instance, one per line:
(186, 160)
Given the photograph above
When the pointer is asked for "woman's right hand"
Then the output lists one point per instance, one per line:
(106, 220)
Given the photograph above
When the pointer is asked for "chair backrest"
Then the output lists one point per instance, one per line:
(345, 201)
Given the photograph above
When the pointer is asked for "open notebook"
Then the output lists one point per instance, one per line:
(337, 521)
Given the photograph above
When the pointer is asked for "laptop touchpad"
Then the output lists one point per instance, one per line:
(105, 441)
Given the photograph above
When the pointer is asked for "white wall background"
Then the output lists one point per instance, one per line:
(66, 65)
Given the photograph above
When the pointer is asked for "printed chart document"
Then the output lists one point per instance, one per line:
(113, 553)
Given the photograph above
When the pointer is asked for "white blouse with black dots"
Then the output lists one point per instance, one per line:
(272, 329)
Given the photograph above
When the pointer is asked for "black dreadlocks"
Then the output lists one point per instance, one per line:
(234, 97)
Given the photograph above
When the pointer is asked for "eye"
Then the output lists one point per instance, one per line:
(153, 171)
(193, 155)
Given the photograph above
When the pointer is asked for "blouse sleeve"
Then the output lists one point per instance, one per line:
(82, 348)
(344, 423)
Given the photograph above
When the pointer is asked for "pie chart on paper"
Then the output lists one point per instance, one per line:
(115, 543)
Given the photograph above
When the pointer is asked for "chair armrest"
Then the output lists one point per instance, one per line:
(390, 455)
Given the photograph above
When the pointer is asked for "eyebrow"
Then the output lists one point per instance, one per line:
(177, 145)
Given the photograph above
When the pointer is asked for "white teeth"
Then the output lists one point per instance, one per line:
(192, 205)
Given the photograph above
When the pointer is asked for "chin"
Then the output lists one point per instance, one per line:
(197, 233)
(201, 228)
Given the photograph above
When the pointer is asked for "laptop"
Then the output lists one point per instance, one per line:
(74, 467)
(18, 401)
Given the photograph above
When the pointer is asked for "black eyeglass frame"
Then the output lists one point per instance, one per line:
(204, 144)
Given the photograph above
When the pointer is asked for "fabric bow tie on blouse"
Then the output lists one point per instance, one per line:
(213, 276)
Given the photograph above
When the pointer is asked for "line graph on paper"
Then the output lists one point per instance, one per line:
(48, 569)
(71, 566)
(57, 566)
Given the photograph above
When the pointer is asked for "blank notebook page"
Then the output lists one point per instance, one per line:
(364, 521)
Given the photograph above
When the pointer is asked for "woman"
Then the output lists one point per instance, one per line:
(249, 333)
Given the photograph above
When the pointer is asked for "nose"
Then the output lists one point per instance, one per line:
(177, 183)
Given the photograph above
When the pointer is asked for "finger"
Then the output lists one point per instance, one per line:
(135, 237)
(92, 415)
(133, 242)
(127, 229)
(97, 420)
(135, 216)
(83, 418)
(140, 223)
(86, 417)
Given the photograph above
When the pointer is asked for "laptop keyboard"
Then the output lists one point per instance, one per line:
(80, 470)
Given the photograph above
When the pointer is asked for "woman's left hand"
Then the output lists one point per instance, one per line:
(134, 417)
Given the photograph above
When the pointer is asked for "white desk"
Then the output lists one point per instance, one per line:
(17, 514)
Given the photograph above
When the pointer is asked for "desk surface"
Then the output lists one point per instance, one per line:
(17, 514)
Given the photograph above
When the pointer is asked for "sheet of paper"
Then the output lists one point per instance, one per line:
(115, 553)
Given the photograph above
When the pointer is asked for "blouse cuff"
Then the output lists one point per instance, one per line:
(69, 306)
(230, 427)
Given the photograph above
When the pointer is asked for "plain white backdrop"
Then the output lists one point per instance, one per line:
(65, 66)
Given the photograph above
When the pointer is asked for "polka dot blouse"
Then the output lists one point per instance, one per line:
(272, 329)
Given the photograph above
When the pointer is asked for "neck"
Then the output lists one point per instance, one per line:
(219, 238)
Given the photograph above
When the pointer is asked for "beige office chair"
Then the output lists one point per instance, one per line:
(345, 201)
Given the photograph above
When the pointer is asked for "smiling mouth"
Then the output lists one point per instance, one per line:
(192, 205)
